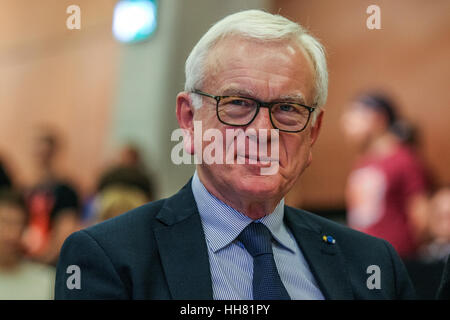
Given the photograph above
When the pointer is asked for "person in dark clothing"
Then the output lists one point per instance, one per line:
(426, 269)
(129, 176)
(444, 288)
(53, 204)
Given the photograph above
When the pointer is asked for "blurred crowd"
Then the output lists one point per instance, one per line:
(35, 220)
(390, 191)
(390, 194)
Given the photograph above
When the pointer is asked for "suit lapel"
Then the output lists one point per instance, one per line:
(182, 247)
(325, 260)
(184, 256)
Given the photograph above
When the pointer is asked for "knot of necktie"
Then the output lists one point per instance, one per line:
(256, 239)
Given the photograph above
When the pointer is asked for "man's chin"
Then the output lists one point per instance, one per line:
(259, 169)
(258, 186)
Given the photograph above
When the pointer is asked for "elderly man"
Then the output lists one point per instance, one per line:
(227, 233)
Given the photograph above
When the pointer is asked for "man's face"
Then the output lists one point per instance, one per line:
(268, 72)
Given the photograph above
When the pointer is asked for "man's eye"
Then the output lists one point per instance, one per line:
(240, 102)
(286, 108)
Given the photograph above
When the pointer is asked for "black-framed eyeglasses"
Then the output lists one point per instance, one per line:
(241, 111)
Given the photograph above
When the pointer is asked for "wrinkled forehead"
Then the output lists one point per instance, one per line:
(234, 46)
(285, 57)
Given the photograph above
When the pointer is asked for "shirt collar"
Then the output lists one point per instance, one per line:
(222, 224)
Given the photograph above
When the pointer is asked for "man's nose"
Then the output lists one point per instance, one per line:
(262, 120)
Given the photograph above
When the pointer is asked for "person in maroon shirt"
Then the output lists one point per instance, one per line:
(386, 191)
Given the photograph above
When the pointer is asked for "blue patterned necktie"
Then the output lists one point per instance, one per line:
(267, 284)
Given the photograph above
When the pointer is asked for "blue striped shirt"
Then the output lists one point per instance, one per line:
(232, 266)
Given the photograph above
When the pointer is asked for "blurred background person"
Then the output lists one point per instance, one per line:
(407, 133)
(129, 169)
(130, 156)
(386, 192)
(19, 278)
(123, 186)
(426, 269)
(53, 203)
(438, 246)
(117, 199)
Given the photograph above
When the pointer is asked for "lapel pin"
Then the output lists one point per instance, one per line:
(328, 239)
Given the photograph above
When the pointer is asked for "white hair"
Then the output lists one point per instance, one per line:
(259, 25)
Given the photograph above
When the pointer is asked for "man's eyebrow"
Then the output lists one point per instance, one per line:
(296, 97)
(239, 92)
(243, 92)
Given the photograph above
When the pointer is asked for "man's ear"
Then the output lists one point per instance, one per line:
(185, 117)
(315, 129)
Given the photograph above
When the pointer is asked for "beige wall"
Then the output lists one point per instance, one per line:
(52, 75)
(409, 57)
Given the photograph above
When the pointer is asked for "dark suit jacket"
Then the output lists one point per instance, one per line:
(444, 287)
(158, 251)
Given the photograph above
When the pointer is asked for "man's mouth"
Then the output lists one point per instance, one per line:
(257, 159)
